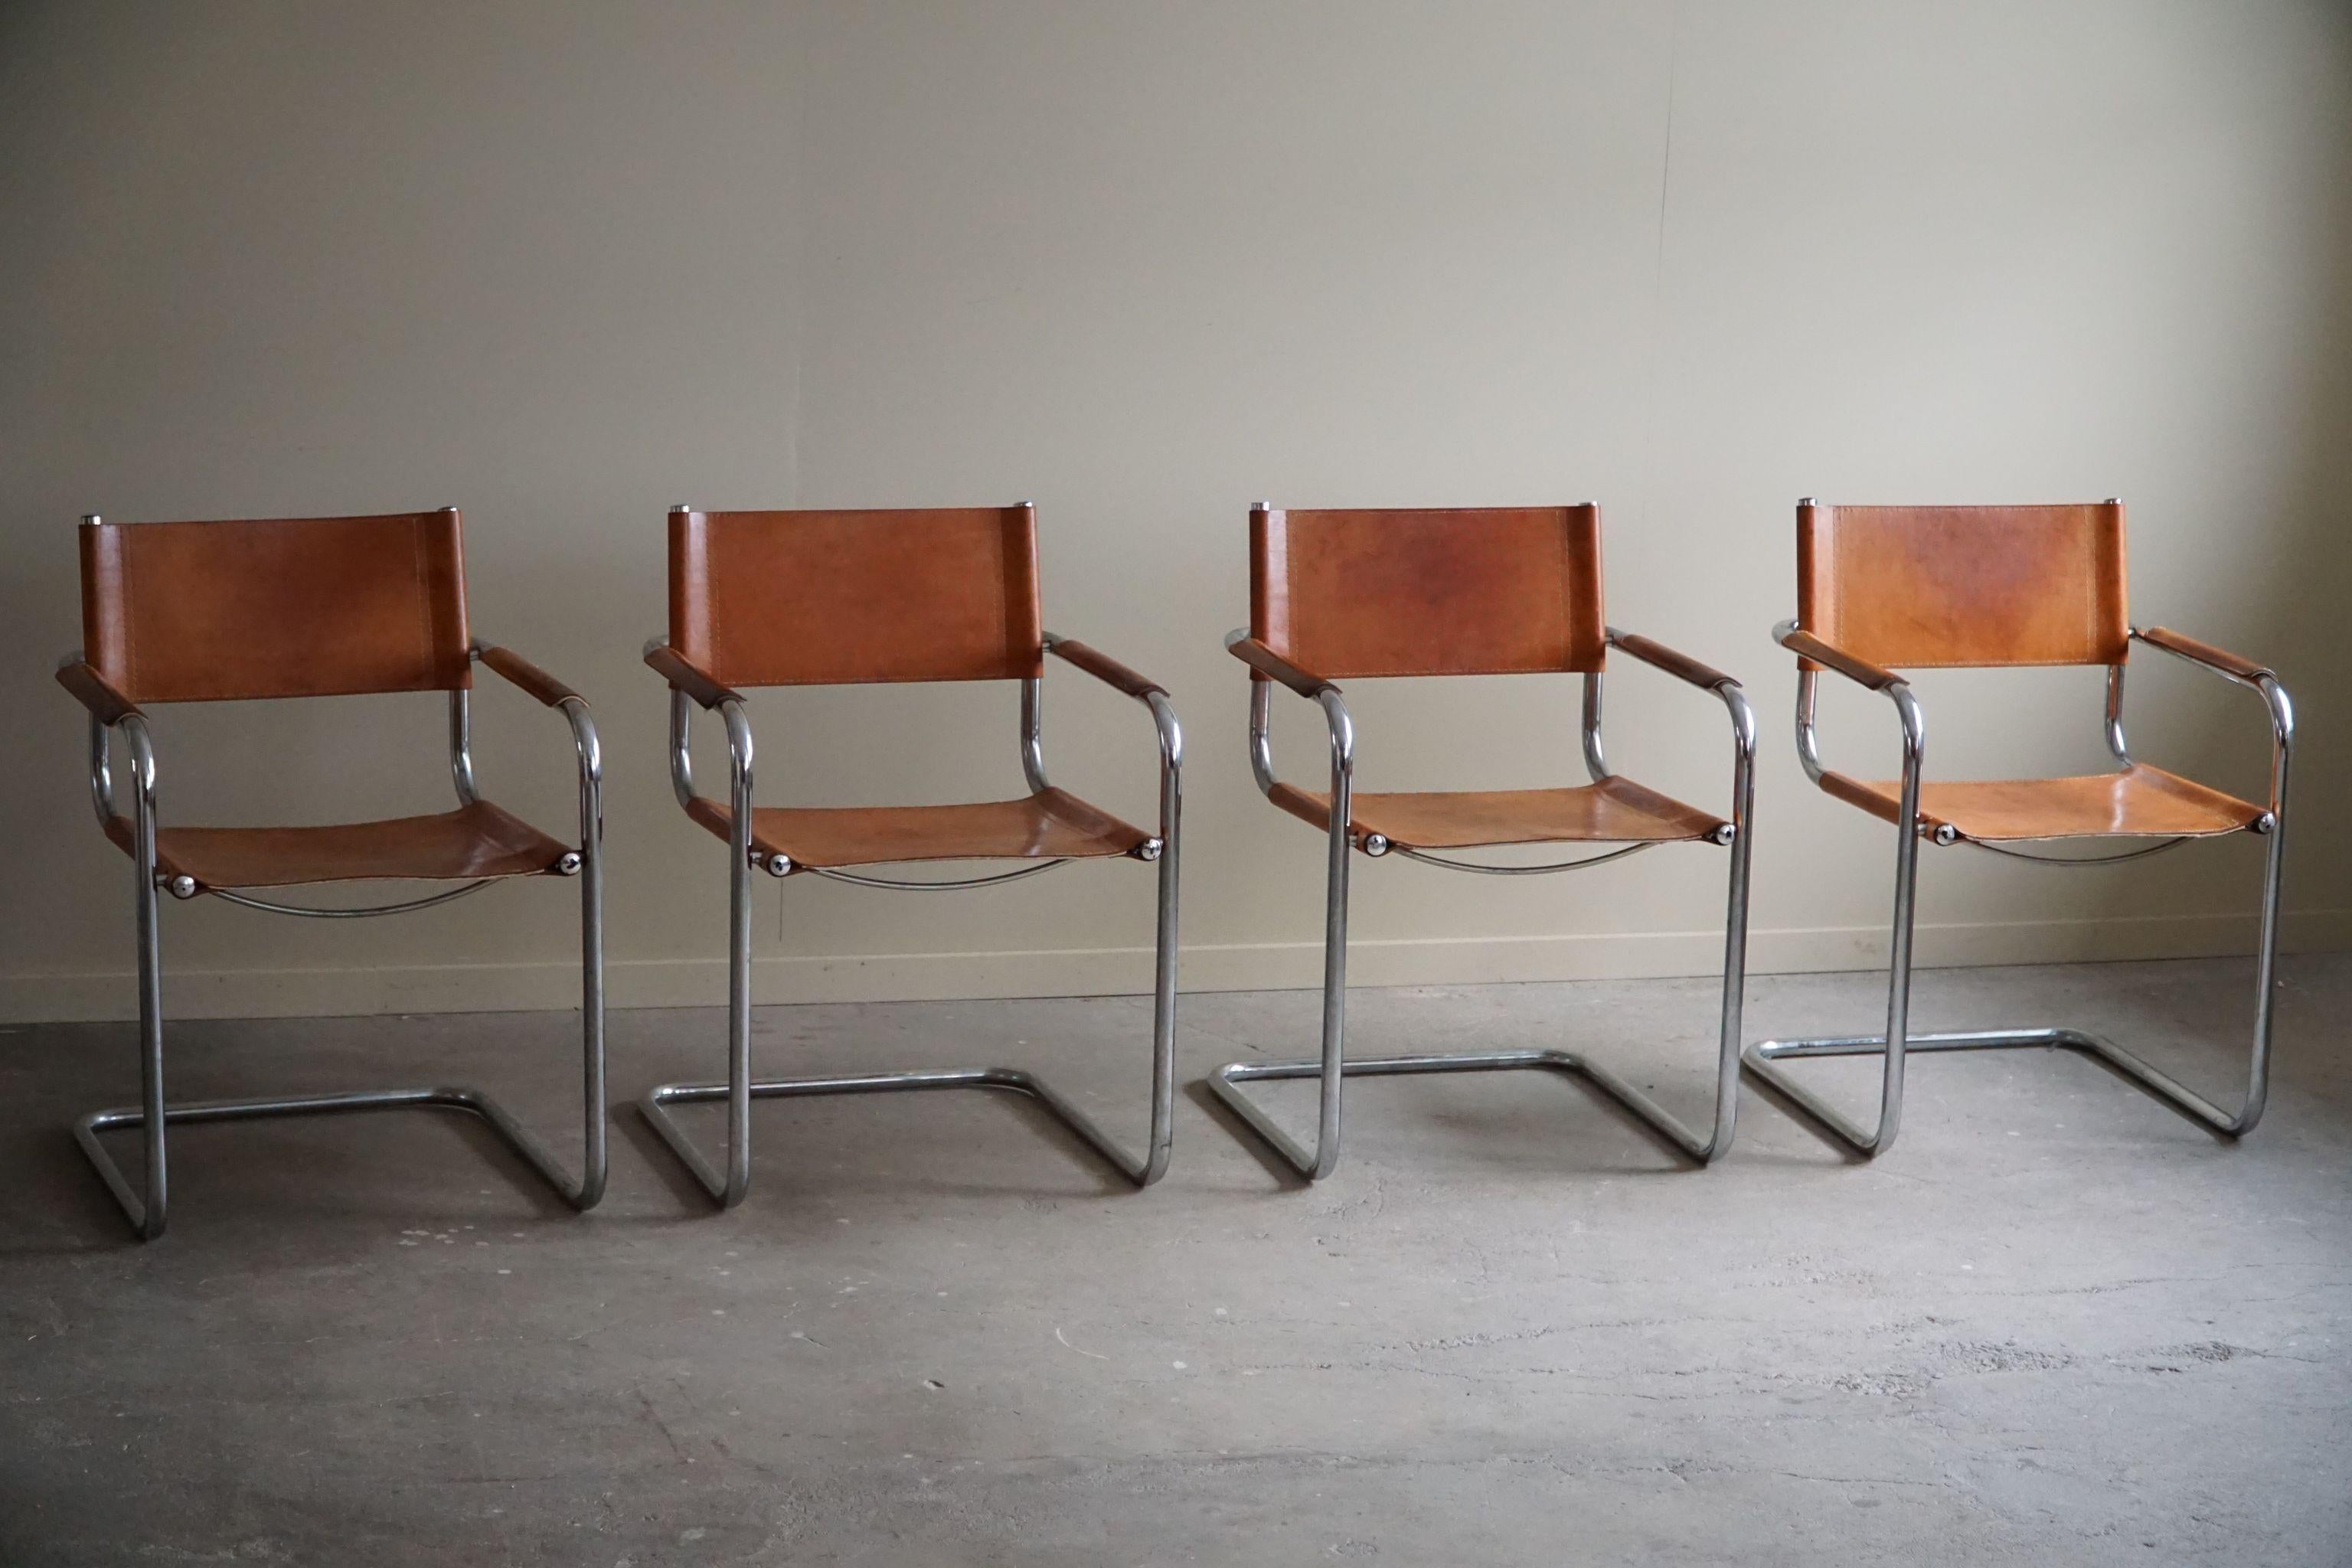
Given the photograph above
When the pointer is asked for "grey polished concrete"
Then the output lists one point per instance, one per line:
(2056, 1324)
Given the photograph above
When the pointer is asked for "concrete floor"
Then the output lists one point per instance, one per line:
(2057, 1324)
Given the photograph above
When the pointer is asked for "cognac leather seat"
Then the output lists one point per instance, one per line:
(470, 843)
(1615, 810)
(1052, 824)
(2139, 801)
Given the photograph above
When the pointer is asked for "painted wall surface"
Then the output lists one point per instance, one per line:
(1145, 264)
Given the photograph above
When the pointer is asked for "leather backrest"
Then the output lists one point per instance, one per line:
(1928, 586)
(314, 606)
(798, 598)
(1470, 591)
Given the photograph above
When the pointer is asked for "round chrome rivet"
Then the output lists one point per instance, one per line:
(182, 886)
(1725, 833)
(1948, 834)
(568, 865)
(778, 865)
(1149, 849)
(2265, 822)
(1376, 843)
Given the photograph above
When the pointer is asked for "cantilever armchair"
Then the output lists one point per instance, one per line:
(198, 612)
(1881, 589)
(803, 598)
(1338, 594)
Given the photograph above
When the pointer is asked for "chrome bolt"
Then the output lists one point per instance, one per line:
(182, 886)
(1376, 843)
(568, 863)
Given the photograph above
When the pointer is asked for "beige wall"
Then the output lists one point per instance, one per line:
(1144, 264)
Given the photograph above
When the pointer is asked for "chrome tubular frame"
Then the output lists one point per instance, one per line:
(1545, 870)
(461, 745)
(1333, 1067)
(146, 1205)
(1764, 1057)
(727, 1188)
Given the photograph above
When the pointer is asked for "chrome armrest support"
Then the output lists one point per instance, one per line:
(461, 746)
(1734, 701)
(1595, 765)
(686, 690)
(1127, 683)
(732, 714)
(101, 775)
(681, 747)
(142, 763)
(1896, 689)
(738, 741)
(2117, 747)
(1032, 735)
(739, 779)
(1691, 673)
(1809, 745)
(592, 770)
(585, 745)
(1335, 717)
(2237, 672)
(105, 718)
(1119, 678)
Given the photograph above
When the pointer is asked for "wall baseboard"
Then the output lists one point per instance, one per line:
(1093, 971)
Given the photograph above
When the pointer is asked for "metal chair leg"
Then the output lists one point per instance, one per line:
(594, 1163)
(450, 1097)
(147, 1218)
(1764, 1057)
(740, 1089)
(147, 1214)
(1333, 1069)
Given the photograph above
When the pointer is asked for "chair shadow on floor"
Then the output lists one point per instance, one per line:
(774, 1146)
(1575, 1152)
(285, 1173)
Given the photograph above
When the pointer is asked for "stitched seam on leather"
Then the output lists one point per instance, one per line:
(707, 600)
(1567, 614)
(124, 608)
(2094, 624)
(1824, 578)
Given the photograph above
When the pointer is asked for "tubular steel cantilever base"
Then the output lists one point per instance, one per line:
(1226, 1082)
(1013, 1080)
(455, 1097)
(1763, 1059)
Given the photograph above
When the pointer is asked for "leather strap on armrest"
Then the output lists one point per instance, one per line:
(1805, 644)
(1272, 666)
(2204, 653)
(1103, 668)
(527, 675)
(106, 705)
(1679, 664)
(668, 663)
